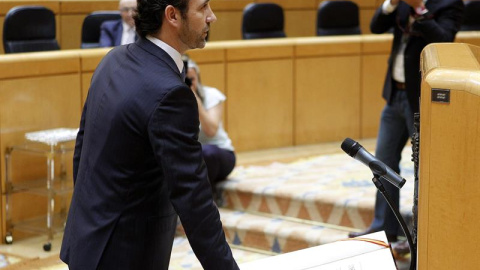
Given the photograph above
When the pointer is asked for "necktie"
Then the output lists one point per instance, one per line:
(183, 74)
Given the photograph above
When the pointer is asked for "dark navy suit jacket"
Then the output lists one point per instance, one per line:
(443, 27)
(137, 164)
(111, 33)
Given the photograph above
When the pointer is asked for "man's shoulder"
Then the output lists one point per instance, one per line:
(154, 67)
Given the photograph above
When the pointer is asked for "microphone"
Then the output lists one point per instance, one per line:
(378, 168)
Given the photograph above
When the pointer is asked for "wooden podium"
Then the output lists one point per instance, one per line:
(449, 172)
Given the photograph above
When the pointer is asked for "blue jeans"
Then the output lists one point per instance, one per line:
(396, 126)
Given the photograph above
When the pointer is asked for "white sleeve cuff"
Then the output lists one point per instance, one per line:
(388, 8)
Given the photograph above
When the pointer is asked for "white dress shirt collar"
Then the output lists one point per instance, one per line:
(176, 56)
(128, 34)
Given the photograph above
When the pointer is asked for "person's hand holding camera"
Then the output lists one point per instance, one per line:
(420, 11)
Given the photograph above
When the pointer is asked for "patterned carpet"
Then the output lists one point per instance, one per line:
(280, 208)
(330, 189)
(9, 259)
(182, 258)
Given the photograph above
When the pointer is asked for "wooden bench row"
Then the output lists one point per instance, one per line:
(300, 16)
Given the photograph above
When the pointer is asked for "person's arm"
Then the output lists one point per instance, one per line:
(173, 133)
(106, 39)
(209, 119)
(384, 17)
(441, 26)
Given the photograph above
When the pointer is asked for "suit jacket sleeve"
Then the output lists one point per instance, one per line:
(173, 132)
(444, 25)
(78, 145)
(381, 22)
(106, 36)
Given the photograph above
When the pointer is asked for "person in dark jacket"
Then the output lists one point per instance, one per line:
(137, 161)
(415, 23)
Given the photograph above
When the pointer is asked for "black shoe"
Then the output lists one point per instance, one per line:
(390, 237)
(401, 248)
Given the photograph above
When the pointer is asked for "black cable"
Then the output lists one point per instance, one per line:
(413, 250)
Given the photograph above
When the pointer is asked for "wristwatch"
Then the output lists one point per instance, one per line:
(422, 13)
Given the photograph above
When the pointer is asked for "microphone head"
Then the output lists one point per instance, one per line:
(350, 147)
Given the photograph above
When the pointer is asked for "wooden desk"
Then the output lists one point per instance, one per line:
(449, 182)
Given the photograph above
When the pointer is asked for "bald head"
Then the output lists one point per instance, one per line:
(127, 9)
(127, 1)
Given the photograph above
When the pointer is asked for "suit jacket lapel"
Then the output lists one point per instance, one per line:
(119, 33)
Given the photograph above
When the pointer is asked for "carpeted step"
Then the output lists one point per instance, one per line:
(332, 189)
(262, 232)
(183, 257)
(275, 234)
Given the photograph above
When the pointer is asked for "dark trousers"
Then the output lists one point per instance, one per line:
(220, 162)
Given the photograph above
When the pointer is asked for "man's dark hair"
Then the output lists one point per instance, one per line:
(148, 19)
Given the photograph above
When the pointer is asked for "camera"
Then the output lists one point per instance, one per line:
(188, 81)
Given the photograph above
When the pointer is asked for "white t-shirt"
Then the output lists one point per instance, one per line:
(213, 97)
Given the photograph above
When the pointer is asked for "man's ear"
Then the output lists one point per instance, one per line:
(171, 15)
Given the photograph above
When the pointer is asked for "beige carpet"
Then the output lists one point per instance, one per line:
(331, 190)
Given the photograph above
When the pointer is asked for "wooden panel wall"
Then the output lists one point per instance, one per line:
(37, 91)
(229, 19)
(327, 90)
(375, 53)
(260, 90)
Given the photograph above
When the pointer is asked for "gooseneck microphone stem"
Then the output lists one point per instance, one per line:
(413, 250)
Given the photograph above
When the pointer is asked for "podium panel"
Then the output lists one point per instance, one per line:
(449, 182)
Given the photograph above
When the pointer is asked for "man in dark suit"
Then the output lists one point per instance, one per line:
(416, 23)
(120, 32)
(137, 160)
